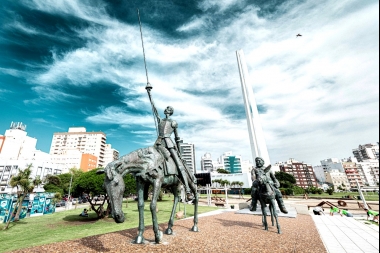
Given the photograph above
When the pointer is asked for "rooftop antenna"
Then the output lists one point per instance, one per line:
(148, 86)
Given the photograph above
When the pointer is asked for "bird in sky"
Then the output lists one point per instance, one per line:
(298, 35)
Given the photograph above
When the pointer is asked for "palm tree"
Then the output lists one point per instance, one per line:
(57, 197)
(25, 185)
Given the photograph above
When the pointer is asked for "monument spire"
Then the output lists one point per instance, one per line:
(256, 135)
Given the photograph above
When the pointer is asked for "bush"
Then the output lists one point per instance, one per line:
(289, 191)
(330, 191)
(247, 191)
(298, 190)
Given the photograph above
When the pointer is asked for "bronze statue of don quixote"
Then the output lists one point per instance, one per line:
(160, 165)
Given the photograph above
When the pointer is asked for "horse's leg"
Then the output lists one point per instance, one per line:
(262, 216)
(169, 231)
(140, 193)
(153, 205)
(263, 205)
(276, 217)
(272, 211)
(193, 188)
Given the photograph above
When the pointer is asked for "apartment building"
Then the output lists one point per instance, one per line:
(303, 173)
(110, 154)
(15, 144)
(332, 164)
(366, 152)
(246, 166)
(206, 163)
(188, 154)
(320, 173)
(9, 168)
(69, 148)
(338, 179)
(231, 163)
(354, 174)
(370, 170)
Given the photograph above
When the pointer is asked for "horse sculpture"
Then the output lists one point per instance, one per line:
(147, 166)
(266, 196)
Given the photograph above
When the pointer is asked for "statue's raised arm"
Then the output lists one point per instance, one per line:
(155, 112)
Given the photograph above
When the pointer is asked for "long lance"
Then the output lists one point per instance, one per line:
(148, 86)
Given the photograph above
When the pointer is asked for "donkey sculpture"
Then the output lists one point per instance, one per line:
(266, 196)
(147, 166)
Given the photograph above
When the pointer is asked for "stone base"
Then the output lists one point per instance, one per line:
(292, 212)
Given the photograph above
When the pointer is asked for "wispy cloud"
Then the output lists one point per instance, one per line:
(320, 91)
(220, 6)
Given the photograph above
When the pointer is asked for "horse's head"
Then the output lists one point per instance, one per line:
(264, 179)
(114, 185)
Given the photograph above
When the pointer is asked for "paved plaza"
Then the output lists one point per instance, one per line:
(220, 231)
(342, 234)
(227, 230)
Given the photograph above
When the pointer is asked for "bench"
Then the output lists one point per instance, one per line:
(219, 204)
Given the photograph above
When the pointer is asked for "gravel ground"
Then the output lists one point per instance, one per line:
(227, 232)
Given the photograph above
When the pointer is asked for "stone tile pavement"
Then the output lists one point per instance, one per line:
(346, 235)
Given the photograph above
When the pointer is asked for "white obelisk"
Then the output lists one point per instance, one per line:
(258, 145)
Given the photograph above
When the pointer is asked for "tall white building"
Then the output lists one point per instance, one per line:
(206, 163)
(332, 164)
(74, 143)
(366, 152)
(17, 151)
(246, 166)
(110, 154)
(370, 170)
(16, 145)
(320, 173)
(256, 135)
(188, 154)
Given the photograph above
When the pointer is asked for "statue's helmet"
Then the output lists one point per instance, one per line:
(259, 159)
(169, 110)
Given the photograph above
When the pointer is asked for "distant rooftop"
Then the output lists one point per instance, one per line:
(18, 125)
(77, 130)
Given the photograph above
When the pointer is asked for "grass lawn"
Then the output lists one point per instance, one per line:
(68, 225)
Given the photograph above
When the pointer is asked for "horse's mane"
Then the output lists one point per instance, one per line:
(139, 162)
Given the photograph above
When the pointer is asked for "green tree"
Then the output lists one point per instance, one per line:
(57, 197)
(218, 182)
(285, 177)
(92, 184)
(53, 184)
(298, 190)
(223, 171)
(130, 185)
(88, 182)
(65, 181)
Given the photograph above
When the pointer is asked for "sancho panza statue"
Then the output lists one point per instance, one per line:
(274, 182)
(164, 143)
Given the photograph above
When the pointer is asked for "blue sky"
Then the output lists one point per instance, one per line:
(79, 63)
